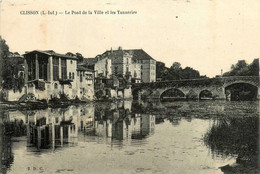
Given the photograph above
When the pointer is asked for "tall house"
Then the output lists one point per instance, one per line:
(49, 74)
(103, 67)
(121, 63)
(85, 83)
(146, 64)
(135, 64)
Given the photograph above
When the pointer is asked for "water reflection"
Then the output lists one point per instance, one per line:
(235, 136)
(55, 128)
(231, 132)
(118, 122)
(5, 144)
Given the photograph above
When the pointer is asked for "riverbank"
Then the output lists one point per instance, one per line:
(43, 104)
(38, 104)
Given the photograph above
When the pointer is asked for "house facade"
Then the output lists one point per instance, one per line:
(85, 83)
(144, 65)
(49, 75)
(135, 65)
(103, 67)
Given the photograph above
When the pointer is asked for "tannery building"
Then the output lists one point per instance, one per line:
(49, 75)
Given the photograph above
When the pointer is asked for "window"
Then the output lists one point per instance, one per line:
(116, 70)
(70, 75)
(55, 68)
(63, 69)
(81, 78)
(71, 62)
(55, 85)
(57, 119)
(73, 75)
(43, 68)
(141, 66)
(31, 68)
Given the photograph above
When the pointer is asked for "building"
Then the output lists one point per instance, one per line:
(144, 65)
(115, 70)
(136, 65)
(49, 75)
(103, 66)
(85, 83)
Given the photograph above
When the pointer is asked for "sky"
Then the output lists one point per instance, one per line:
(207, 35)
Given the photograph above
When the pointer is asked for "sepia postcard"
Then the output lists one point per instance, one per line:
(129, 87)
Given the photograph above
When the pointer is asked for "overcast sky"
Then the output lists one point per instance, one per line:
(208, 35)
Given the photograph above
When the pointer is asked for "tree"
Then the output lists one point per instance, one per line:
(11, 77)
(190, 73)
(241, 68)
(241, 64)
(4, 52)
(176, 71)
(79, 56)
(161, 70)
(176, 66)
(254, 68)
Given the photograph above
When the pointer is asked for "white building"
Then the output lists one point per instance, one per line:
(49, 75)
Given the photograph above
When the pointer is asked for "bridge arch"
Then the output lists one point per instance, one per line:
(205, 94)
(172, 94)
(241, 90)
(240, 81)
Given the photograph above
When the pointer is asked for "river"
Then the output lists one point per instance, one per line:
(210, 137)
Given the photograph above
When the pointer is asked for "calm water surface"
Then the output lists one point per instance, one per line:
(127, 137)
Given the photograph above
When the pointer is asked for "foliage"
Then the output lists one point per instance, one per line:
(175, 72)
(241, 68)
(11, 77)
(79, 56)
(4, 51)
(234, 136)
(11, 64)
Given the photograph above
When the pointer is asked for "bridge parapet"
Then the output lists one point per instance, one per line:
(205, 82)
(215, 85)
(179, 83)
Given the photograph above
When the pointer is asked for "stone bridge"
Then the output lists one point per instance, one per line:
(216, 86)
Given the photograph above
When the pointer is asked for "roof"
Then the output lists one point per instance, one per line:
(82, 68)
(90, 61)
(138, 54)
(51, 53)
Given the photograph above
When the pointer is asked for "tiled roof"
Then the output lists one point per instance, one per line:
(138, 54)
(51, 53)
